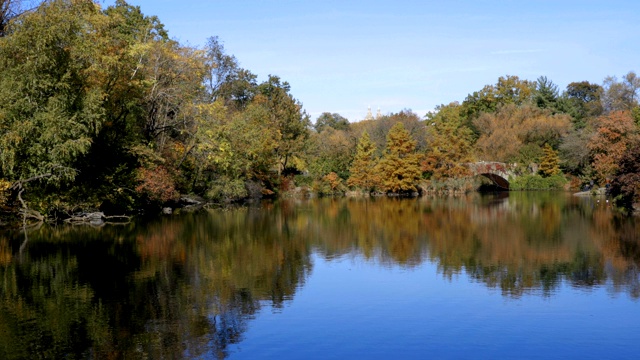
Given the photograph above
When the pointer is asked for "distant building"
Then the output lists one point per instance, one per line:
(370, 115)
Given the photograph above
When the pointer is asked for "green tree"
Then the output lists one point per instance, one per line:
(582, 101)
(550, 164)
(286, 118)
(363, 168)
(399, 167)
(329, 120)
(49, 109)
(545, 93)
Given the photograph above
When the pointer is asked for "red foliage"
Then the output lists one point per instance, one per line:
(157, 184)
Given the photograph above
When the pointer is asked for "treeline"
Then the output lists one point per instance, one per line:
(585, 136)
(101, 109)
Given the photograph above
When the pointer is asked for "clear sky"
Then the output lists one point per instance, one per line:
(343, 56)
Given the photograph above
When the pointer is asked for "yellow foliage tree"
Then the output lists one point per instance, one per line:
(399, 167)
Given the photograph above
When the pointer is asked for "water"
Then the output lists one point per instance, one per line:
(518, 275)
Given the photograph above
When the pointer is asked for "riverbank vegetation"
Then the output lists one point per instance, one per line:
(100, 109)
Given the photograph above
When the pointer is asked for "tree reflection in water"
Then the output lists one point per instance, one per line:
(187, 285)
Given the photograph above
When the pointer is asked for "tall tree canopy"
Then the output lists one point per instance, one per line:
(399, 166)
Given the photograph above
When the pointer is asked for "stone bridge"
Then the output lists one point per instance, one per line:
(497, 172)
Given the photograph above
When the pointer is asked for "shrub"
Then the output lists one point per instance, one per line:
(156, 184)
(227, 190)
(537, 182)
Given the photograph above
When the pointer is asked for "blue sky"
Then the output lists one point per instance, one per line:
(343, 56)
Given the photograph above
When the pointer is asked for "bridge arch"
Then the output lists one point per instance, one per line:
(497, 180)
(497, 172)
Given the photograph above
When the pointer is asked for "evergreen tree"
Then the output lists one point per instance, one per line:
(549, 165)
(399, 167)
(363, 174)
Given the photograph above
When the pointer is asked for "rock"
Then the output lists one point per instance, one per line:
(167, 211)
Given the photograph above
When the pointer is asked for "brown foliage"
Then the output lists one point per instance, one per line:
(156, 183)
(504, 133)
(608, 144)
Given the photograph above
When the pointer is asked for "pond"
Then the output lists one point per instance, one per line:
(505, 275)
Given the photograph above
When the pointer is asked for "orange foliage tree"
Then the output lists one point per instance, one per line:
(609, 143)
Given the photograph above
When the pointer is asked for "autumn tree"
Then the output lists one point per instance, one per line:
(363, 169)
(508, 90)
(449, 143)
(330, 150)
(507, 132)
(613, 133)
(550, 163)
(399, 166)
(625, 187)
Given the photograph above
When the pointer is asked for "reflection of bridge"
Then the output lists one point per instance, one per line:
(497, 172)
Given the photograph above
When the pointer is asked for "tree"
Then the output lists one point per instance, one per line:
(546, 93)
(608, 144)
(330, 151)
(449, 143)
(11, 9)
(550, 164)
(621, 95)
(505, 133)
(574, 152)
(583, 101)
(286, 117)
(328, 120)
(363, 168)
(399, 167)
(50, 109)
(625, 187)
(508, 90)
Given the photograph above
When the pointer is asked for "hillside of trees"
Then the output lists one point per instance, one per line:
(101, 110)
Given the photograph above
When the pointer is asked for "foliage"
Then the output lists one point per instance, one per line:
(625, 186)
(573, 151)
(156, 184)
(329, 151)
(545, 94)
(363, 169)
(508, 90)
(550, 164)
(330, 184)
(449, 144)
(399, 167)
(609, 142)
(286, 117)
(49, 112)
(621, 95)
(583, 101)
(503, 133)
(329, 120)
(537, 182)
(225, 189)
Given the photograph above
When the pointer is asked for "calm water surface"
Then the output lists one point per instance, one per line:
(518, 275)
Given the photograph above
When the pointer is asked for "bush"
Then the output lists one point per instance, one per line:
(537, 182)
(227, 190)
